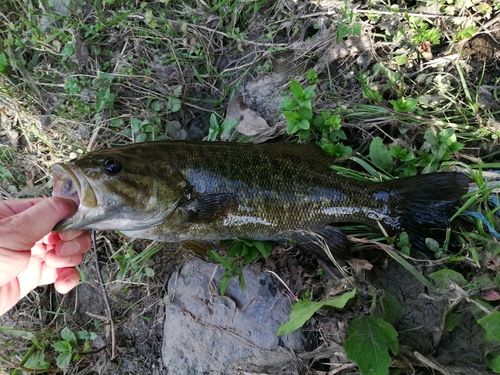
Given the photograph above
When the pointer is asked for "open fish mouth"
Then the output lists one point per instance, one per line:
(67, 184)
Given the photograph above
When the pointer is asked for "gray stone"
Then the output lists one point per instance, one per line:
(205, 333)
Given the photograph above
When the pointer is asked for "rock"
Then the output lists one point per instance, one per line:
(205, 333)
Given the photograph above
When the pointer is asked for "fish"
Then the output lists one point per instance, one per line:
(195, 192)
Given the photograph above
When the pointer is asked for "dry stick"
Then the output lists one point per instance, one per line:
(105, 297)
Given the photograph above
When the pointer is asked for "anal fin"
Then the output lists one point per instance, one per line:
(333, 237)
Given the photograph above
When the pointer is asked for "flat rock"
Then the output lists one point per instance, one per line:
(206, 333)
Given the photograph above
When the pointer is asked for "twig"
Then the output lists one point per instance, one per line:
(105, 297)
(292, 294)
(429, 363)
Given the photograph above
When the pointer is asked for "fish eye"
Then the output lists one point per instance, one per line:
(112, 166)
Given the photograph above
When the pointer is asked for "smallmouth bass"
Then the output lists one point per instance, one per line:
(174, 191)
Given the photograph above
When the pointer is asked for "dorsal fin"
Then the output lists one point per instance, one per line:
(310, 152)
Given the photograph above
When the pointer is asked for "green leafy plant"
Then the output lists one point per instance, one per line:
(218, 130)
(298, 109)
(304, 309)
(326, 127)
(146, 130)
(240, 254)
(134, 265)
(70, 347)
(105, 99)
(347, 25)
(438, 147)
(491, 326)
(422, 32)
(370, 339)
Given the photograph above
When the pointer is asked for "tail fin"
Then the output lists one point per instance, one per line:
(423, 205)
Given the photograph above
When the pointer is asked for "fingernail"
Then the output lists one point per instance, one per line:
(70, 248)
(69, 284)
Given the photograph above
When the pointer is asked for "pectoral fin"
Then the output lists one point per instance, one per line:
(329, 235)
(208, 208)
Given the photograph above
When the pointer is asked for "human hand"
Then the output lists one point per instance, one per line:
(30, 254)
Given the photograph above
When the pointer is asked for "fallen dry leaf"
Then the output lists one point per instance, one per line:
(425, 50)
(359, 264)
(250, 122)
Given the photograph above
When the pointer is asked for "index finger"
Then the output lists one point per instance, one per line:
(13, 207)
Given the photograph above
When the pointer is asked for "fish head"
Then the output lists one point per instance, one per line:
(118, 191)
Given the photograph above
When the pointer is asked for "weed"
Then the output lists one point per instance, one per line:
(326, 128)
(68, 347)
(347, 24)
(135, 266)
(240, 254)
(217, 131)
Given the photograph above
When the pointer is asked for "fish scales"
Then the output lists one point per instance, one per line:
(275, 193)
(181, 190)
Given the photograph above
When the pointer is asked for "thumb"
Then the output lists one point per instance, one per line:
(21, 231)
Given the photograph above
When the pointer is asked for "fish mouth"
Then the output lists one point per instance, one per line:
(68, 183)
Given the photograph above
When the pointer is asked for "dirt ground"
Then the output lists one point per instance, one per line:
(174, 321)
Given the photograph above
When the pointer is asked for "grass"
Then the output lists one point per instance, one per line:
(387, 90)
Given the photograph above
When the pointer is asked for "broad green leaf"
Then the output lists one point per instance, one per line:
(62, 346)
(432, 245)
(401, 59)
(116, 122)
(444, 277)
(291, 116)
(174, 104)
(446, 134)
(265, 248)
(251, 255)
(356, 29)
(302, 311)
(288, 104)
(391, 307)
(380, 155)
(491, 324)
(135, 125)
(303, 124)
(4, 63)
(85, 335)
(68, 335)
(64, 359)
(455, 146)
(369, 340)
(157, 105)
(305, 113)
(228, 125)
(141, 137)
(492, 358)
(451, 320)
(309, 92)
(479, 307)
(296, 89)
(37, 362)
(235, 250)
